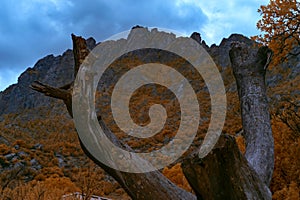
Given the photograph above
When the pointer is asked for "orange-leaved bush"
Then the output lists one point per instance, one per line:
(280, 24)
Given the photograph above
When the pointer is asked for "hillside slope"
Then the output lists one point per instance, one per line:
(39, 146)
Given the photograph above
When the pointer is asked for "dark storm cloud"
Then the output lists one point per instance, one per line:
(29, 31)
(116, 16)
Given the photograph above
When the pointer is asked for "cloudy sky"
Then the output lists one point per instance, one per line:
(32, 29)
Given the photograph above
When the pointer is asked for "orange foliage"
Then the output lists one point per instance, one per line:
(291, 192)
(4, 149)
(286, 178)
(176, 175)
(48, 189)
(241, 143)
(280, 24)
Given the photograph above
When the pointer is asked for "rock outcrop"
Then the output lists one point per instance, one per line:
(54, 70)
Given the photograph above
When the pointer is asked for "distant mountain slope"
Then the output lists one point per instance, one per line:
(58, 71)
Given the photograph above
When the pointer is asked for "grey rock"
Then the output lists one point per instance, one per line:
(272, 81)
(60, 158)
(197, 37)
(295, 70)
(61, 162)
(35, 164)
(295, 93)
(220, 54)
(56, 71)
(10, 156)
(19, 165)
(38, 146)
(91, 43)
(3, 140)
(22, 154)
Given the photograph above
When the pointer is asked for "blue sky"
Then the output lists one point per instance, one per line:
(32, 29)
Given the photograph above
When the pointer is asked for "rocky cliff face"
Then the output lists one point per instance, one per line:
(58, 71)
(220, 53)
(54, 70)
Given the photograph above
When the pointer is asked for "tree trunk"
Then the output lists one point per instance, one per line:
(249, 66)
(224, 174)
